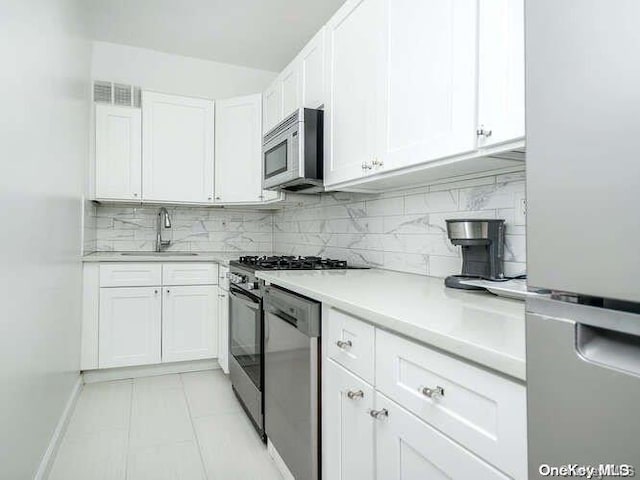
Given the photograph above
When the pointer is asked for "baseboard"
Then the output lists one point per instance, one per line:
(277, 459)
(109, 374)
(50, 454)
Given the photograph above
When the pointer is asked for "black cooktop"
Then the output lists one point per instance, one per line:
(287, 262)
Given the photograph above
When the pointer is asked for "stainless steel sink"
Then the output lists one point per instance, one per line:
(159, 254)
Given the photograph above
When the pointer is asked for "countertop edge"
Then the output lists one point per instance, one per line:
(499, 362)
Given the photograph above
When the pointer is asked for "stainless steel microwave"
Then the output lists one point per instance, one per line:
(292, 153)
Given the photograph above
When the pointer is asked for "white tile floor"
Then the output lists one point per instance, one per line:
(169, 427)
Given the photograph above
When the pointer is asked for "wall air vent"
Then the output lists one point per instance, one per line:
(116, 94)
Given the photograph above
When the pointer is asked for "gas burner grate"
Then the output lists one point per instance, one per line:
(290, 262)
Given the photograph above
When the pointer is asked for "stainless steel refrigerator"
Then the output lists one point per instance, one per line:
(583, 233)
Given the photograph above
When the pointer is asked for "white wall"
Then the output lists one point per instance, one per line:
(169, 73)
(44, 82)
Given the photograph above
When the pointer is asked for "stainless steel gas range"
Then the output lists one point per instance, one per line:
(274, 357)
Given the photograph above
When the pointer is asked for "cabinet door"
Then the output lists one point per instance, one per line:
(189, 323)
(429, 104)
(348, 437)
(409, 449)
(501, 74)
(118, 152)
(272, 106)
(177, 148)
(312, 64)
(354, 42)
(129, 326)
(223, 320)
(238, 166)
(290, 87)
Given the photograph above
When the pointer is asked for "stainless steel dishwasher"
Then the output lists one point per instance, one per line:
(292, 380)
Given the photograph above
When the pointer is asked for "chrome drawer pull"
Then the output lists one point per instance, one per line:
(433, 392)
(344, 345)
(379, 414)
(352, 395)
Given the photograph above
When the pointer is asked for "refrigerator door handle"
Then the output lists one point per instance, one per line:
(608, 348)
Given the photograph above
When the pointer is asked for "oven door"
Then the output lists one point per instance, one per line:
(281, 158)
(245, 333)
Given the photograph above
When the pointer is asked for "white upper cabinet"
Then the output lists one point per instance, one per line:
(421, 89)
(177, 148)
(352, 101)
(501, 71)
(429, 102)
(118, 153)
(238, 166)
(300, 84)
(290, 87)
(312, 65)
(272, 109)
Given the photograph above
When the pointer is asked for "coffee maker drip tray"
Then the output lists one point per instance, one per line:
(457, 281)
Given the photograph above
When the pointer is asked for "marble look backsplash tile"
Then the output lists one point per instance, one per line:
(402, 230)
(192, 229)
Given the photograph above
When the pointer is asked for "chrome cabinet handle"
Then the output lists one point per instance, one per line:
(433, 392)
(377, 163)
(379, 414)
(483, 132)
(367, 166)
(221, 296)
(352, 395)
(344, 345)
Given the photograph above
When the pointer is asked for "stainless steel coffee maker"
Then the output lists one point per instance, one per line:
(482, 242)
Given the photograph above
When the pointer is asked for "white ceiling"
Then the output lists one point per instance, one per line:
(264, 34)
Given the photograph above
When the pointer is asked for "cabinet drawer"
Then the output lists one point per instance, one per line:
(482, 411)
(130, 274)
(189, 274)
(350, 343)
(408, 448)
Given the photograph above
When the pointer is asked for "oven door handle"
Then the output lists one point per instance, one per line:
(250, 303)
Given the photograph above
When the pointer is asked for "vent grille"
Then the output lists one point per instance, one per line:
(102, 92)
(117, 94)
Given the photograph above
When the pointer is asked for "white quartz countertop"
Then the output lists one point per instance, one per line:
(222, 258)
(477, 326)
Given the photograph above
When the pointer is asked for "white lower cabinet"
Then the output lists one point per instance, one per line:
(189, 323)
(423, 415)
(223, 336)
(409, 449)
(129, 332)
(348, 437)
(138, 314)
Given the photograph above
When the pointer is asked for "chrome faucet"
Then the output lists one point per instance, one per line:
(163, 221)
